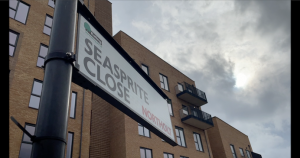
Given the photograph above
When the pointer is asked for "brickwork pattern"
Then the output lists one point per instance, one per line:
(103, 14)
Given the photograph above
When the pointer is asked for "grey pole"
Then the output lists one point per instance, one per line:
(52, 120)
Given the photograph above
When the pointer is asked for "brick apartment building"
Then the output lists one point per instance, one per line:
(97, 129)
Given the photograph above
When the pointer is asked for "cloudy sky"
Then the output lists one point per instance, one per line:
(237, 52)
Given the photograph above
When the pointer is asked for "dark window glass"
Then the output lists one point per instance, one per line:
(145, 153)
(143, 130)
(168, 155)
(163, 82)
(18, 10)
(198, 142)
(51, 3)
(145, 68)
(233, 151)
(36, 94)
(13, 40)
(42, 54)
(48, 25)
(180, 136)
(183, 157)
(70, 144)
(73, 105)
(170, 107)
(26, 144)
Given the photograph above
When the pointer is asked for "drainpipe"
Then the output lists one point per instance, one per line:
(81, 123)
(206, 144)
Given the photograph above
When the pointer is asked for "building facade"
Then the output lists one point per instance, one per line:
(96, 129)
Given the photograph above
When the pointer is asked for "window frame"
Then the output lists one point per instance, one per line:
(247, 151)
(17, 9)
(163, 82)
(146, 67)
(242, 151)
(168, 154)
(41, 44)
(47, 25)
(25, 142)
(145, 152)
(144, 130)
(74, 105)
(16, 42)
(35, 94)
(233, 151)
(198, 142)
(171, 107)
(50, 5)
(71, 144)
(181, 86)
(179, 128)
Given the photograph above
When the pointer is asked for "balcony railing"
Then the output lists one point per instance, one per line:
(196, 117)
(190, 94)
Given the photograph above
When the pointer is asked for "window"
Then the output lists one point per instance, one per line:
(18, 10)
(48, 25)
(73, 104)
(145, 153)
(242, 152)
(42, 54)
(51, 3)
(248, 154)
(233, 151)
(145, 68)
(170, 107)
(183, 157)
(180, 136)
(163, 82)
(36, 94)
(70, 144)
(13, 40)
(168, 155)
(198, 142)
(26, 144)
(180, 87)
(143, 131)
(185, 110)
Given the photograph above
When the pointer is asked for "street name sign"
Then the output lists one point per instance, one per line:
(114, 76)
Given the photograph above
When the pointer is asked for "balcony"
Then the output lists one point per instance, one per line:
(191, 94)
(255, 155)
(196, 118)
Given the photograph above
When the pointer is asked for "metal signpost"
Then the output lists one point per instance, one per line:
(102, 66)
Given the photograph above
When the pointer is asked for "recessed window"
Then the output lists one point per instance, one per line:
(168, 155)
(183, 157)
(70, 144)
(26, 144)
(180, 87)
(198, 142)
(185, 110)
(48, 25)
(73, 105)
(18, 10)
(163, 82)
(13, 40)
(36, 94)
(233, 151)
(242, 152)
(145, 153)
(248, 154)
(143, 131)
(180, 136)
(51, 3)
(145, 68)
(42, 54)
(170, 107)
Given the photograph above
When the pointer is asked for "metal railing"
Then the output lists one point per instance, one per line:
(191, 89)
(199, 114)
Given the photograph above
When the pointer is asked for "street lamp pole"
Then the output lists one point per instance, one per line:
(52, 120)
